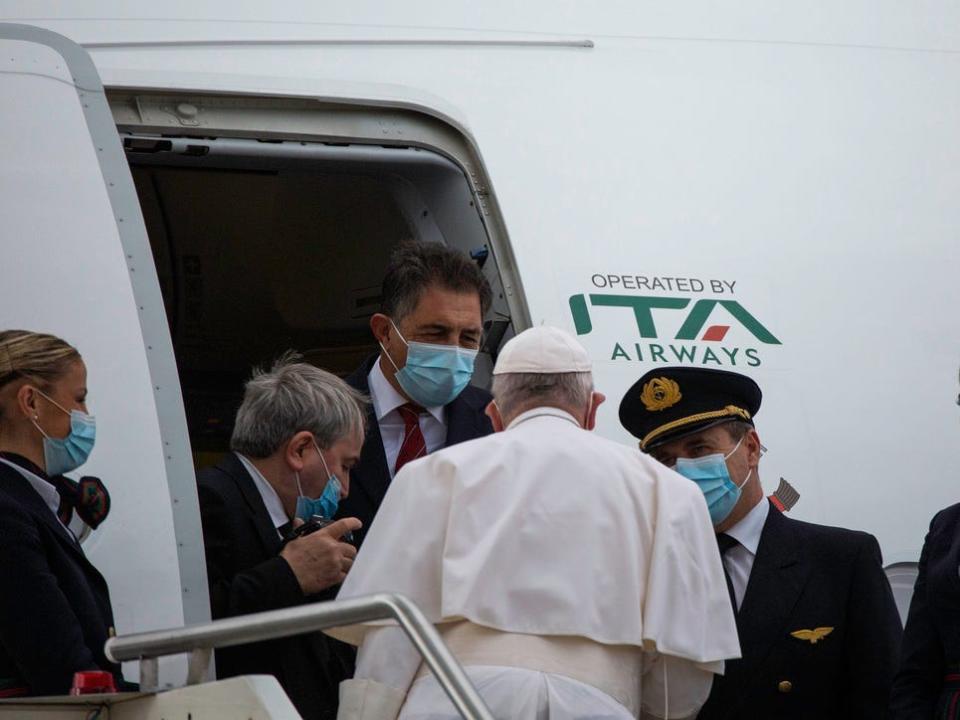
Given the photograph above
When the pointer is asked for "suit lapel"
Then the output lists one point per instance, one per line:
(371, 476)
(266, 531)
(776, 582)
(372, 473)
(19, 487)
(462, 419)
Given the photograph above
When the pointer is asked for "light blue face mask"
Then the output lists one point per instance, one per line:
(434, 374)
(63, 455)
(325, 505)
(711, 475)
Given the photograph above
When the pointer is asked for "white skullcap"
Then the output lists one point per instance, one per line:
(545, 350)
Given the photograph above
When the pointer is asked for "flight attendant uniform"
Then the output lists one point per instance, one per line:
(55, 613)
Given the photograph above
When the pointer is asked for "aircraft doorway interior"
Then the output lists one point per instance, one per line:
(261, 247)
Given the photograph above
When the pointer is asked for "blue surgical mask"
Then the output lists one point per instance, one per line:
(325, 505)
(434, 374)
(711, 475)
(63, 455)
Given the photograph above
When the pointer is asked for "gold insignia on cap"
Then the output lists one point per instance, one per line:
(812, 636)
(659, 394)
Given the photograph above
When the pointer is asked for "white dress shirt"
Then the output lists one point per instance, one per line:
(386, 400)
(738, 560)
(270, 498)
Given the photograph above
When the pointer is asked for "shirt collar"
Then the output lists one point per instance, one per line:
(47, 492)
(747, 532)
(542, 412)
(385, 397)
(270, 498)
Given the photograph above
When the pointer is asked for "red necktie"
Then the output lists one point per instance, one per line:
(413, 445)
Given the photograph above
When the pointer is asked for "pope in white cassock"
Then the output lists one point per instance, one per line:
(573, 577)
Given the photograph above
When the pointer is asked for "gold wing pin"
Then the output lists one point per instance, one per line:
(812, 636)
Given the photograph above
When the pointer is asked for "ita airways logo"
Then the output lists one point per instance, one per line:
(674, 329)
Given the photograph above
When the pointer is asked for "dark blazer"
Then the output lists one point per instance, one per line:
(806, 577)
(931, 640)
(370, 478)
(55, 613)
(246, 575)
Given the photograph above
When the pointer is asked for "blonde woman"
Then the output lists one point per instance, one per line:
(55, 610)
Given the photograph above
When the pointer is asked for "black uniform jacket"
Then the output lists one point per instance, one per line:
(370, 478)
(247, 575)
(931, 640)
(55, 613)
(826, 585)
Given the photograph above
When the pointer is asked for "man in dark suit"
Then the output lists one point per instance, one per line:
(429, 331)
(819, 629)
(297, 433)
(928, 681)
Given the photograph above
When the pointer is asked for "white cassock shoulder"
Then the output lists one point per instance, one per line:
(403, 550)
(687, 611)
(547, 529)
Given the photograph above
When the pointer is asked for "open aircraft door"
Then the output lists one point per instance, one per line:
(77, 263)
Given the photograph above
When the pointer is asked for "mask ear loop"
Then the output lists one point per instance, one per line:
(735, 448)
(53, 402)
(385, 350)
(49, 399)
(326, 469)
(37, 426)
(402, 338)
(322, 459)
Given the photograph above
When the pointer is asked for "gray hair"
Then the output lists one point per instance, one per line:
(736, 429)
(518, 392)
(294, 396)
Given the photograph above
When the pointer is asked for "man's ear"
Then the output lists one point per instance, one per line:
(752, 441)
(381, 326)
(591, 419)
(493, 412)
(296, 449)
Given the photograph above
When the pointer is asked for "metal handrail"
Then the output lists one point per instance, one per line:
(199, 640)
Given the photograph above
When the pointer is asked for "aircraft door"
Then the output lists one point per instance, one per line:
(76, 263)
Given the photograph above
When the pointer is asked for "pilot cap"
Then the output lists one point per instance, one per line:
(669, 403)
(545, 350)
